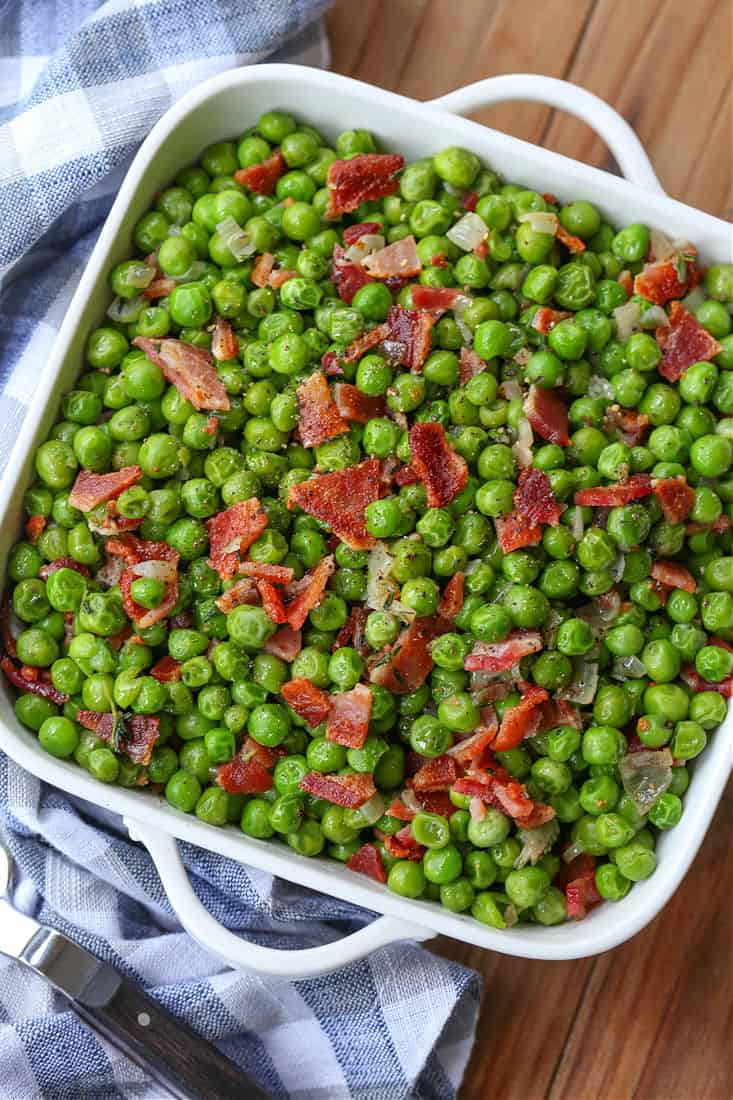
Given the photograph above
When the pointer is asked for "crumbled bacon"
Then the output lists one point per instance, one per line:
(441, 469)
(314, 585)
(411, 328)
(451, 601)
(507, 795)
(676, 498)
(263, 269)
(262, 177)
(134, 735)
(244, 591)
(159, 288)
(363, 178)
(19, 678)
(533, 498)
(573, 244)
(282, 276)
(166, 669)
(339, 499)
(286, 643)
(660, 282)
(500, 656)
(469, 200)
(683, 343)
(272, 601)
(356, 406)
(548, 415)
(514, 533)
(90, 489)
(437, 774)
(352, 632)
(34, 528)
(134, 550)
(232, 532)
(190, 369)
(262, 571)
(521, 720)
(471, 365)
(224, 344)
(632, 425)
(318, 415)
(354, 233)
(406, 475)
(474, 751)
(244, 775)
(406, 666)
(62, 563)
(580, 895)
(308, 701)
(399, 259)
(718, 526)
(347, 276)
(672, 574)
(348, 719)
(367, 861)
(626, 282)
(614, 496)
(545, 318)
(350, 791)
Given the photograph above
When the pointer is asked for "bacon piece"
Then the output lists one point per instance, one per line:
(451, 601)
(469, 200)
(721, 524)
(558, 712)
(351, 791)
(550, 198)
(696, 683)
(308, 701)
(365, 342)
(548, 415)
(397, 259)
(244, 591)
(262, 177)
(134, 550)
(348, 720)
(166, 669)
(474, 751)
(500, 656)
(545, 318)
(244, 776)
(676, 498)
(62, 563)
(434, 299)
(285, 643)
(90, 489)
(353, 630)
(347, 276)
(408, 663)
(514, 533)
(113, 524)
(318, 415)
(582, 866)
(263, 269)
(613, 496)
(367, 861)
(272, 601)
(411, 328)
(339, 499)
(672, 574)
(282, 276)
(224, 344)
(685, 342)
(573, 244)
(356, 406)
(135, 736)
(398, 809)
(438, 774)
(533, 498)
(625, 280)
(581, 895)
(404, 846)
(659, 282)
(354, 233)
(261, 571)
(406, 475)
(471, 365)
(189, 369)
(315, 585)
(232, 532)
(34, 527)
(159, 288)
(18, 678)
(506, 795)
(520, 721)
(363, 178)
(632, 425)
(8, 641)
(441, 469)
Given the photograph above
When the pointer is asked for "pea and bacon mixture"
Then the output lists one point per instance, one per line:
(391, 515)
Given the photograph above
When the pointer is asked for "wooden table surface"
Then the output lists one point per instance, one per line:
(653, 1019)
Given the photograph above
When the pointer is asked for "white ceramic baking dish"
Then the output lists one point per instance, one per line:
(221, 108)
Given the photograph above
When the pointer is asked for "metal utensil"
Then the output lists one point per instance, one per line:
(173, 1055)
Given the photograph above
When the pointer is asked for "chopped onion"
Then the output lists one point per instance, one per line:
(616, 569)
(109, 574)
(522, 449)
(459, 308)
(540, 221)
(235, 238)
(535, 842)
(523, 357)
(381, 589)
(468, 232)
(394, 351)
(628, 668)
(600, 387)
(485, 686)
(126, 310)
(409, 799)
(191, 275)
(174, 230)
(654, 317)
(609, 604)
(694, 299)
(645, 776)
(660, 244)
(573, 851)
(577, 524)
(156, 570)
(628, 320)
(399, 418)
(140, 274)
(477, 809)
(359, 250)
(510, 390)
(550, 629)
(372, 809)
(511, 916)
(582, 689)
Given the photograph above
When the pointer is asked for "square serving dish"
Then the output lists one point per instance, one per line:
(222, 108)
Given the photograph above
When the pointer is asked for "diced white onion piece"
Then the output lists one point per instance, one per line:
(577, 524)
(191, 275)
(694, 299)
(126, 310)
(379, 588)
(156, 570)
(616, 569)
(660, 244)
(477, 809)
(109, 574)
(359, 250)
(535, 842)
(609, 605)
(645, 776)
(459, 307)
(510, 390)
(174, 231)
(522, 449)
(409, 799)
(235, 238)
(468, 232)
(550, 629)
(654, 317)
(628, 668)
(582, 689)
(465, 331)
(540, 221)
(372, 809)
(628, 320)
(511, 916)
(600, 387)
(573, 850)
(141, 274)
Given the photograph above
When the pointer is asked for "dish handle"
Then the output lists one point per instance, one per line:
(308, 962)
(607, 123)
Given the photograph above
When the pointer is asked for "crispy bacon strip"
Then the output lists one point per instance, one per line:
(451, 601)
(685, 342)
(632, 425)
(286, 643)
(438, 774)
(573, 244)
(367, 861)
(347, 276)
(548, 415)
(471, 365)
(166, 669)
(500, 656)
(339, 499)
(263, 269)
(398, 259)
(34, 528)
(244, 591)
(244, 775)
(90, 489)
(224, 344)
(272, 601)
(613, 496)
(411, 328)
(441, 469)
(350, 791)
(676, 498)
(134, 735)
(660, 282)
(262, 177)
(356, 406)
(308, 701)
(672, 574)
(189, 369)
(261, 571)
(406, 666)
(159, 288)
(232, 532)
(545, 318)
(520, 721)
(19, 678)
(312, 593)
(318, 415)
(353, 630)
(363, 178)
(348, 719)
(62, 563)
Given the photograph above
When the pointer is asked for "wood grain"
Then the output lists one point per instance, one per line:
(652, 1020)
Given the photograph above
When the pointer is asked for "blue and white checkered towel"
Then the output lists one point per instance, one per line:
(397, 1025)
